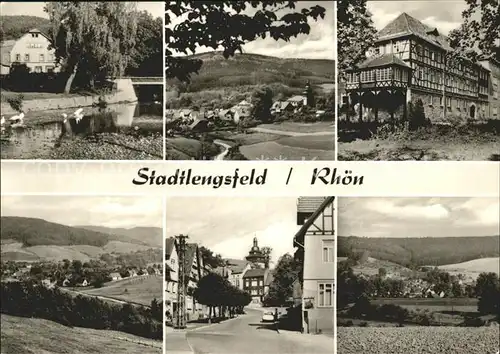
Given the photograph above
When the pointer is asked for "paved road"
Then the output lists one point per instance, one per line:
(246, 335)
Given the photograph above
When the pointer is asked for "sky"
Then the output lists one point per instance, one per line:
(36, 8)
(126, 212)
(444, 15)
(319, 44)
(228, 225)
(418, 217)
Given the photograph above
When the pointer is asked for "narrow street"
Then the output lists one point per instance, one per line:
(246, 335)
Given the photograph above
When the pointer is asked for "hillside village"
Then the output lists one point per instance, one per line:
(202, 120)
(73, 274)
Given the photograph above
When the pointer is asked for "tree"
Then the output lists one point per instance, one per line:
(92, 39)
(227, 25)
(478, 34)
(488, 291)
(213, 260)
(355, 33)
(266, 251)
(382, 272)
(262, 100)
(285, 274)
(146, 58)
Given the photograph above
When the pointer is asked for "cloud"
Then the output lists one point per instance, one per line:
(445, 16)
(391, 208)
(484, 211)
(124, 212)
(318, 44)
(228, 225)
(418, 217)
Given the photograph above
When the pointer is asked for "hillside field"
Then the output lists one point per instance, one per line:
(138, 289)
(32, 335)
(223, 82)
(424, 340)
(424, 251)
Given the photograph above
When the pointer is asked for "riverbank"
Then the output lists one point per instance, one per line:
(34, 102)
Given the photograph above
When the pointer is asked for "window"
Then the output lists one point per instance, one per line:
(254, 282)
(38, 69)
(26, 57)
(325, 295)
(328, 251)
(18, 57)
(42, 58)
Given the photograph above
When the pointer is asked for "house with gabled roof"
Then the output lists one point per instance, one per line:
(314, 243)
(32, 49)
(171, 274)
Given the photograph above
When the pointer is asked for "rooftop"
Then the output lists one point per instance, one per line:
(382, 60)
(259, 272)
(405, 25)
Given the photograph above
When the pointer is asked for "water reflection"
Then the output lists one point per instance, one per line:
(36, 140)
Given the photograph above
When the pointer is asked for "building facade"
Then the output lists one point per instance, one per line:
(237, 269)
(254, 283)
(411, 61)
(315, 245)
(33, 50)
(171, 275)
(493, 66)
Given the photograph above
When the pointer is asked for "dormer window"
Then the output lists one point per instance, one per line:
(433, 32)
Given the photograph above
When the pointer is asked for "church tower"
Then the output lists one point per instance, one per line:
(255, 256)
(309, 95)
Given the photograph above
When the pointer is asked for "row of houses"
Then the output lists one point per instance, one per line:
(251, 275)
(314, 243)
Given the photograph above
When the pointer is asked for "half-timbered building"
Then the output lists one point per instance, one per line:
(315, 247)
(411, 61)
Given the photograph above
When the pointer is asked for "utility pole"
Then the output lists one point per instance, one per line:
(181, 288)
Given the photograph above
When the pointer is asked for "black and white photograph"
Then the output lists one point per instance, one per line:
(419, 80)
(418, 275)
(250, 80)
(81, 80)
(249, 275)
(81, 275)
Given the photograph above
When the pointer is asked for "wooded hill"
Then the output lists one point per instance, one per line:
(13, 27)
(39, 232)
(434, 251)
(152, 236)
(254, 69)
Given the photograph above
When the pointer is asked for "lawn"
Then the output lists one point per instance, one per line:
(181, 148)
(386, 150)
(272, 150)
(300, 127)
(474, 143)
(33, 335)
(141, 290)
(314, 142)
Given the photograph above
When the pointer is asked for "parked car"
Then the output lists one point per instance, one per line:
(268, 317)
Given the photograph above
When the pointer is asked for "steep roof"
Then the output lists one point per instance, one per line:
(297, 98)
(382, 60)
(309, 204)
(300, 234)
(405, 25)
(259, 272)
(237, 265)
(169, 247)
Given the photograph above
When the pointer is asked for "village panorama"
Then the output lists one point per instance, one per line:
(272, 97)
(67, 276)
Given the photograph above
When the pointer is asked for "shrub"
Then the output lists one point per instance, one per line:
(16, 102)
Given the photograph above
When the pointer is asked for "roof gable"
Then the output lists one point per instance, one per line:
(405, 24)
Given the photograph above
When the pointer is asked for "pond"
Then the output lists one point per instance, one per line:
(125, 126)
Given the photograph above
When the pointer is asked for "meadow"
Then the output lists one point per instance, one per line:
(34, 335)
(140, 290)
(422, 340)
